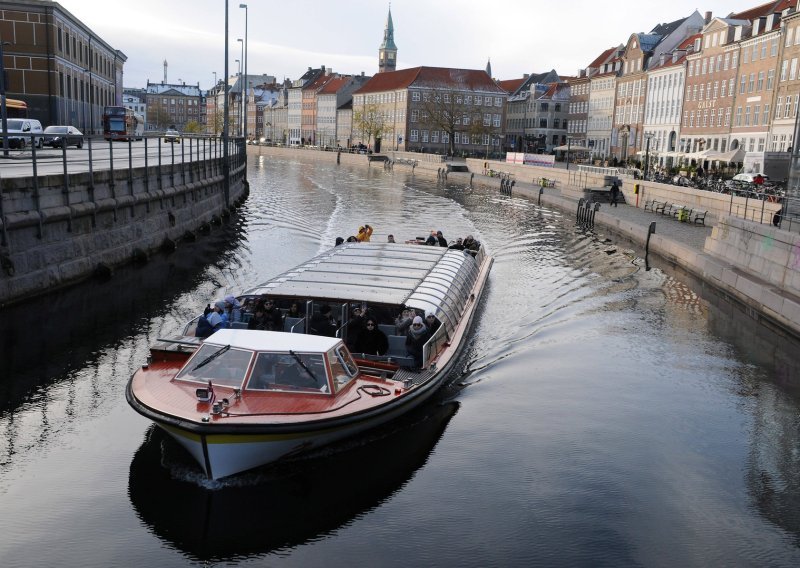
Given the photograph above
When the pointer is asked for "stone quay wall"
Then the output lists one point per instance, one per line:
(59, 231)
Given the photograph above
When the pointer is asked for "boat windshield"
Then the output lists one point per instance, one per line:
(224, 367)
(304, 372)
(343, 368)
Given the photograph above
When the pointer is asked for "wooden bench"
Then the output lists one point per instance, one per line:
(662, 207)
(650, 205)
(682, 213)
(700, 217)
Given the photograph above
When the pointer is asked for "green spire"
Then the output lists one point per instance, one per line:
(388, 33)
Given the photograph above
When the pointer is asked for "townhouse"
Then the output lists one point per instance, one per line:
(521, 109)
(602, 73)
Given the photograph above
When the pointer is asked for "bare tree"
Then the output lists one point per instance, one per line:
(448, 111)
(370, 123)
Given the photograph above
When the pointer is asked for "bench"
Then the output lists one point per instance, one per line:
(661, 207)
(700, 217)
(650, 205)
(682, 213)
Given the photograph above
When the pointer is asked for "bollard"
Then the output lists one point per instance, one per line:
(541, 191)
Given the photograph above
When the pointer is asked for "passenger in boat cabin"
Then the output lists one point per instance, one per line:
(364, 233)
(458, 245)
(440, 239)
(233, 308)
(432, 322)
(390, 239)
(355, 325)
(323, 322)
(339, 240)
(219, 307)
(352, 239)
(432, 240)
(416, 337)
(273, 315)
(471, 244)
(404, 320)
(294, 311)
(371, 340)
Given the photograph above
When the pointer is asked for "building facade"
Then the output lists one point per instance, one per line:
(63, 70)
(171, 105)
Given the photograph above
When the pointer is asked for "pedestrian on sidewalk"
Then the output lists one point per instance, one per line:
(614, 193)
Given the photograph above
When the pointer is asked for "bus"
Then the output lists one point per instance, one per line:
(16, 108)
(120, 123)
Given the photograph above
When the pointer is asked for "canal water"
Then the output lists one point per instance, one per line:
(602, 415)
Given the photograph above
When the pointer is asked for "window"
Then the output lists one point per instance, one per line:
(738, 116)
(542, 123)
(743, 85)
(793, 69)
(747, 115)
(414, 115)
(728, 116)
(415, 96)
(496, 120)
(734, 60)
(730, 86)
(760, 84)
(498, 101)
(724, 84)
(751, 82)
(756, 112)
(784, 68)
(766, 113)
(415, 136)
(424, 135)
(770, 79)
(487, 119)
(435, 136)
(544, 106)
(788, 109)
(478, 100)
(778, 107)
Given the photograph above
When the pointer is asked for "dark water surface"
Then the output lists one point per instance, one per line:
(603, 415)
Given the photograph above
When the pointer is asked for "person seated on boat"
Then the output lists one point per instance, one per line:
(259, 319)
(339, 240)
(364, 233)
(432, 322)
(404, 321)
(273, 315)
(208, 324)
(432, 240)
(371, 340)
(233, 308)
(323, 322)
(220, 308)
(471, 244)
(355, 325)
(352, 239)
(416, 336)
(294, 311)
(458, 245)
(440, 239)
(390, 239)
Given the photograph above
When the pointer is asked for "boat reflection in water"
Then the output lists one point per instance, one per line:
(282, 505)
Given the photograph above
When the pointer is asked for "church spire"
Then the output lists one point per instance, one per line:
(489, 67)
(387, 52)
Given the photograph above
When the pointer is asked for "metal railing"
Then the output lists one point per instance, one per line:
(29, 158)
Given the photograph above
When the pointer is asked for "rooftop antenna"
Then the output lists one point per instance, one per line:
(165, 72)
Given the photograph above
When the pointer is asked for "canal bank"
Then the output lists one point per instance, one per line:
(58, 229)
(755, 265)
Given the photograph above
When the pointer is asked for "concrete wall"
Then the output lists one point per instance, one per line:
(52, 235)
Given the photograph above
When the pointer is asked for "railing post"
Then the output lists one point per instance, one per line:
(35, 192)
(65, 189)
(91, 181)
(130, 176)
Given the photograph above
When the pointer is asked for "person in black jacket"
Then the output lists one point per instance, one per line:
(416, 337)
(371, 340)
(323, 323)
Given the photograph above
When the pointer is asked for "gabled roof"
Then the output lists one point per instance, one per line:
(511, 85)
(431, 78)
(603, 57)
(665, 29)
(332, 87)
(756, 12)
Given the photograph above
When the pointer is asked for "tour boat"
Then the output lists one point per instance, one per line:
(243, 398)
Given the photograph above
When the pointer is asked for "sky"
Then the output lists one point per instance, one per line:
(285, 38)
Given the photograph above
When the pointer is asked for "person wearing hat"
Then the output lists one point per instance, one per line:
(220, 308)
(416, 336)
(209, 323)
(233, 308)
(364, 233)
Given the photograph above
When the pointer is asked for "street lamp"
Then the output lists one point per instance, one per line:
(215, 90)
(241, 88)
(246, 50)
(648, 136)
(238, 110)
(3, 110)
(569, 147)
(225, 165)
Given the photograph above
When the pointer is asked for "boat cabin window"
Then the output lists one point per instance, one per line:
(222, 365)
(343, 368)
(303, 372)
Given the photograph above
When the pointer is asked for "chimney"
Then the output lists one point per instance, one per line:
(707, 18)
(526, 75)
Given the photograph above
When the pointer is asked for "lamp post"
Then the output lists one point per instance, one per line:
(246, 49)
(3, 109)
(215, 102)
(241, 88)
(225, 166)
(238, 129)
(647, 136)
(569, 147)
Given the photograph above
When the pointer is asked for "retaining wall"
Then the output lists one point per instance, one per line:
(57, 232)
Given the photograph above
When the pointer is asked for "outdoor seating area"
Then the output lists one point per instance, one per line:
(680, 212)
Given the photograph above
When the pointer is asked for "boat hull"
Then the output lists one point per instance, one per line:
(227, 453)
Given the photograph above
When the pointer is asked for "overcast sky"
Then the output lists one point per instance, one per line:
(287, 37)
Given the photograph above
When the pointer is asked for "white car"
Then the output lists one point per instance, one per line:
(748, 178)
(172, 136)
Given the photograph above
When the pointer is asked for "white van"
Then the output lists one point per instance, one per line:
(24, 126)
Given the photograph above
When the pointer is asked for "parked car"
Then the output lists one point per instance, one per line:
(23, 126)
(172, 136)
(55, 136)
(749, 177)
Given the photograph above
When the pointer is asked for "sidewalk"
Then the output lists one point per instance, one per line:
(682, 244)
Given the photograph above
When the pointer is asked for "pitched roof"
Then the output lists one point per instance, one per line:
(332, 87)
(511, 85)
(667, 28)
(603, 57)
(431, 78)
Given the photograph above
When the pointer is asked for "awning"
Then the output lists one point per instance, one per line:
(731, 156)
(645, 153)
